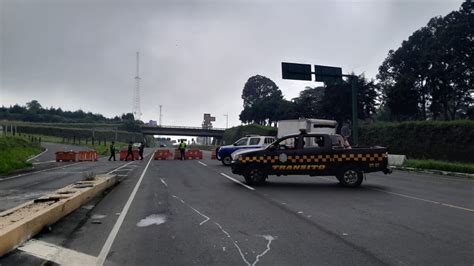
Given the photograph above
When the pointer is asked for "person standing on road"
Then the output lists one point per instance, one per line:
(112, 151)
(182, 149)
(129, 151)
(140, 150)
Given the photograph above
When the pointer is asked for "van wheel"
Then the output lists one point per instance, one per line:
(226, 160)
(255, 176)
(350, 177)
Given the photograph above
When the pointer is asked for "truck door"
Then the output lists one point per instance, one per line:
(316, 154)
(285, 154)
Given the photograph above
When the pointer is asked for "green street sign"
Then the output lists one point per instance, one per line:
(328, 73)
(296, 71)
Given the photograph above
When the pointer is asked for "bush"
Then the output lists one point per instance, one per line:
(441, 140)
(440, 165)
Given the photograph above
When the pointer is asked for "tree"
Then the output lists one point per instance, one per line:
(430, 75)
(262, 99)
(336, 103)
(128, 116)
(33, 106)
(309, 103)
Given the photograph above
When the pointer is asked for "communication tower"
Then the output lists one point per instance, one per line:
(137, 113)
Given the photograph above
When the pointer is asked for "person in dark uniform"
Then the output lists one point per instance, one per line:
(140, 150)
(129, 151)
(112, 151)
(182, 149)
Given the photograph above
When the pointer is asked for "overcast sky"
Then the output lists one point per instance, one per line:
(195, 56)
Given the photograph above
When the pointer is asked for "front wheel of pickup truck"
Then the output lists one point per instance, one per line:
(255, 176)
(226, 160)
(350, 177)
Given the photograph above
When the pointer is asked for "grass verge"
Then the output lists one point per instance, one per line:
(101, 149)
(441, 165)
(14, 151)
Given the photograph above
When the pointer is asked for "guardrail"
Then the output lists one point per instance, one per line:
(183, 127)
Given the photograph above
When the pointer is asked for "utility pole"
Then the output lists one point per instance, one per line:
(160, 115)
(226, 120)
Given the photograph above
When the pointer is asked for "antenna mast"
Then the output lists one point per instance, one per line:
(136, 93)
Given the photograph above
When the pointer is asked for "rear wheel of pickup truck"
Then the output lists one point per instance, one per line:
(254, 176)
(350, 177)
(226, 160)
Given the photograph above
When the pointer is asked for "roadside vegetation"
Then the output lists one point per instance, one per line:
(441, 165)
(101, 149)
(14, 151)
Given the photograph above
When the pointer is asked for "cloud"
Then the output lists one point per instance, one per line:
(195, 55)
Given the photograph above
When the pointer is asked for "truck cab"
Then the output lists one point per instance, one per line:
(311, 154)
(248, 142)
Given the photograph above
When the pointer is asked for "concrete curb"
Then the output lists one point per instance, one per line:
(432, 171)
(23, 222)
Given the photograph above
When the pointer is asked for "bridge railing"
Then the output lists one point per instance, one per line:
(183, 127)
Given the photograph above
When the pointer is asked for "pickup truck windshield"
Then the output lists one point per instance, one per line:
(241, 142)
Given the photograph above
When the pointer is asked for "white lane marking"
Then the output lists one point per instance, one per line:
(202, 163)
(164, 183)
(38, 155)
(206, 218)
(113, 234)
(57, 254)
(237, 181)
(40, 171)
(118, 168)
(425, 200)
(457, 207)
(417, 198)
(52, 161)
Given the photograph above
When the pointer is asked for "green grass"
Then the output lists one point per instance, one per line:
(101, 149)
(441, 165)
(14, 151)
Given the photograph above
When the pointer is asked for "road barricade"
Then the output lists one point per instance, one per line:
(65, 156)
(193, 154)
(177, 154)
(87, 156)
(163, 154)
(136, 155)
(213, 155)
(123, 154)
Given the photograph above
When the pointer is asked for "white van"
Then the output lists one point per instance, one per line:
(294, 126)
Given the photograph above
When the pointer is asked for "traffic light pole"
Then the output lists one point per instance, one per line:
(355, 124)
(324, 74)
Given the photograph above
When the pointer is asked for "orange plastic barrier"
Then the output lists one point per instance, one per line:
(87, 156)
(66, 156)
(213, 155)
(136, 155)
(123, 154)
(177, 155)
(193, 154)
(163, 154)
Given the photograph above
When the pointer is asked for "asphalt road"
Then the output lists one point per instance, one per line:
(193, 213)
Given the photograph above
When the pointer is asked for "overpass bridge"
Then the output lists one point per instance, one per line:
(183, 131)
